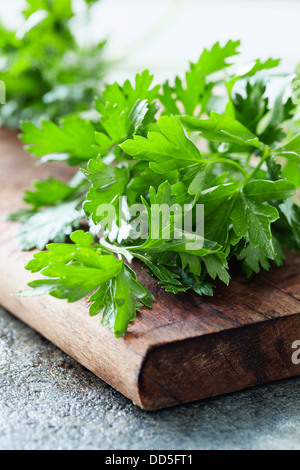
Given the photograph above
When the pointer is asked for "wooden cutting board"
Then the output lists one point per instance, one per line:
(187, 347)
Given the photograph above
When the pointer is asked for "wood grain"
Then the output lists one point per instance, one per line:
(187, 347)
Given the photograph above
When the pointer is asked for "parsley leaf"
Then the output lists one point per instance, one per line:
(221, 129)
(74, 137)
(46, 72)
(107, 184)
(75, 270)
(173, 150)
(54, 223)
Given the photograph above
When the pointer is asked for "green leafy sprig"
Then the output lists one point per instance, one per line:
(237, 153)
(45, 71)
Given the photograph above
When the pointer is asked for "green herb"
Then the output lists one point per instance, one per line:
(237, 153)
(46, 73)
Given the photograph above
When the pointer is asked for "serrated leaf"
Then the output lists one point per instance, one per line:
(255, 218)
(221, 129)
(253, 260)
(124, 110)
(264, 190)
(117, 298)
(74, 136)
(53, 224)
(52, 191)
(217, 266)
(107, 184)
(165, 151)
(216, 59)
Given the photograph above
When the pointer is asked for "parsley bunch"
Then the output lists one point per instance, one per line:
(45, 72)
(211, 138)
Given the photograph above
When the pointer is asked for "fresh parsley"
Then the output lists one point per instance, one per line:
(45, 71)
(213, 137)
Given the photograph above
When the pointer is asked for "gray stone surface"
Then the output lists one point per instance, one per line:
(48, 401)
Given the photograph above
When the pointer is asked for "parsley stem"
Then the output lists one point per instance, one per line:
(265, 156)
(229, 162)
(120, 251)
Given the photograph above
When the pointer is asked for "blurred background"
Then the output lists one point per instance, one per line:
(164, 34)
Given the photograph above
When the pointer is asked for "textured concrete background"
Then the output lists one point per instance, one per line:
(48, 401)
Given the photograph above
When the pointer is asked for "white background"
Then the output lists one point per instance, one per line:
(165, 34)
